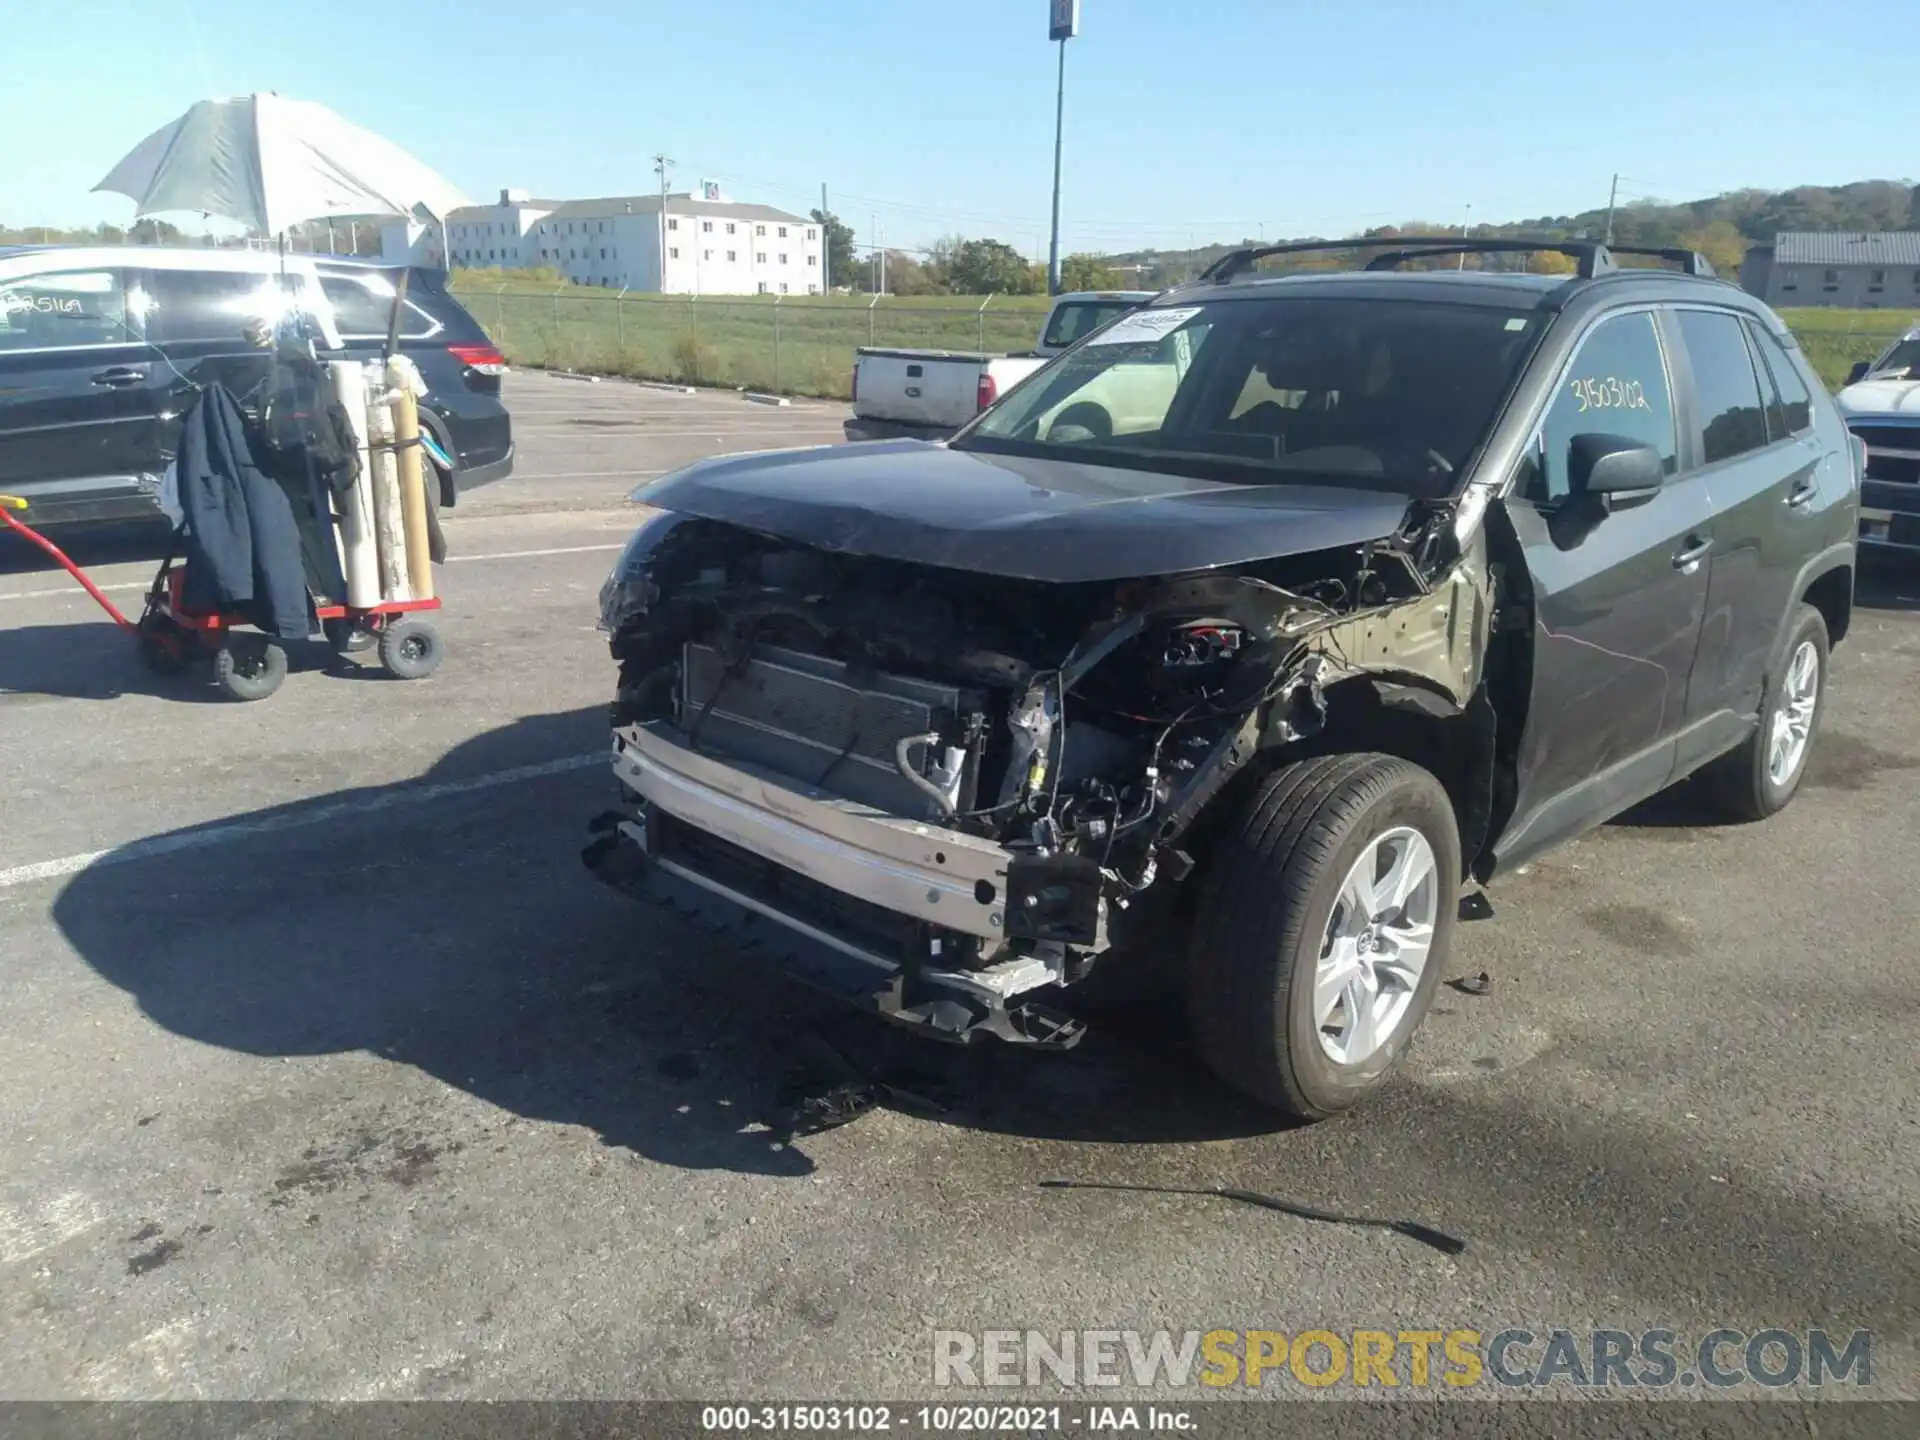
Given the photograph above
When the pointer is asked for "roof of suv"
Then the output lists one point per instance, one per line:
(1597, 273)
(1475, 287)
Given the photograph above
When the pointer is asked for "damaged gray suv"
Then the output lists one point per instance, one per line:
(1228, 647)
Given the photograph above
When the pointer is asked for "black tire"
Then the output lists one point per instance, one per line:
(1267, 902)
(410, 649)
(1090, 417)
(348, 637)
(165, 648)
(249, 667)
(1740, 784)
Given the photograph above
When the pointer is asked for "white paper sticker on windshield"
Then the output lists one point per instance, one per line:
(1145, 325)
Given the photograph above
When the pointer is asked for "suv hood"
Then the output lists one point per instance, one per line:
(1029, 519)
(1880, 397)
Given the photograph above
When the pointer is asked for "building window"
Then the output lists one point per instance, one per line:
(813, 289)
(783, 257)
(732, 255)
(674, 253)
(672, 224)
(759, 229)
(1916, 280)
(707, 226)
(783, 232)
(810, 235)
(706, 254)
(813, 259)
(490, 254)
(1876, 279)
(760, 258)
(763, 287)
(729, 227)
(783, 287)
(1830, 279)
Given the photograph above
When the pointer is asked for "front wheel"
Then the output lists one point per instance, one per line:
(1764, 774)
(1323, 929)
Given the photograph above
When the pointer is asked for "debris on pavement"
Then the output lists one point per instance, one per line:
(1437, 1239)
(824, 1090)
(1472, 984)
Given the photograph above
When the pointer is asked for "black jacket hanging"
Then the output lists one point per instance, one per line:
(241, 542)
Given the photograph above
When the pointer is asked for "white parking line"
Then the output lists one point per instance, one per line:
(529, 554)
(73, 590)
(226, 834)
(590, 475)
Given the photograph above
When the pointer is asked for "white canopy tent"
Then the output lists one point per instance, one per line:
(269, 163)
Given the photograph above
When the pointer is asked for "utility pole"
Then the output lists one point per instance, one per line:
(1613, 194)
(1063, 23)
(1466, 228)
(662, 162)
(826, 243)
(883, 262)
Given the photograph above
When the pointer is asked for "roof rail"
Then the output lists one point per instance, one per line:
(1691, 262)
(1590, 257)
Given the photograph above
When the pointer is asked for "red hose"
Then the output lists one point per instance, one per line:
(65, 564)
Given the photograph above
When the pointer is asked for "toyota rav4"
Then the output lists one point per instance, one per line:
(1412, 574)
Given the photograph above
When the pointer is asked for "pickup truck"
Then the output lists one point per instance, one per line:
(1881, 405)
(928, 394)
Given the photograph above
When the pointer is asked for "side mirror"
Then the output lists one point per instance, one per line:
(1614, 468)
(1859, 372)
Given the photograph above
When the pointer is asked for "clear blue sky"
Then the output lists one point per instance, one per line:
(1184, 121)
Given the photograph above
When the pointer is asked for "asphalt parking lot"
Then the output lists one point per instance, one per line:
(327, 1072)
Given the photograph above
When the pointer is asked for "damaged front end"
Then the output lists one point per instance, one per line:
(948, 795)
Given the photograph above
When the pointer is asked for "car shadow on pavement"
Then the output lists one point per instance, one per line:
(462, 935)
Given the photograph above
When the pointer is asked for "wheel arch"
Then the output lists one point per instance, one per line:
(1831, 593)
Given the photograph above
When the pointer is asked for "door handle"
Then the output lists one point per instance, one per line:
(1688, 559)
(118, 376)
(1802, 495)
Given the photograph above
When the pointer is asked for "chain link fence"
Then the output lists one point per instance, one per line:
(784, 344)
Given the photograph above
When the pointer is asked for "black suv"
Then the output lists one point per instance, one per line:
(101, 349)
(1409, 575)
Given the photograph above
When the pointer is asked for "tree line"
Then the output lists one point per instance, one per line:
(1721, 227)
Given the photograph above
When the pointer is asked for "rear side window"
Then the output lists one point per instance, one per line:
(1071, 323)
(1616, 386)
(55, 311)
(185, 306)
(1730, 416)
(1794, 411)
(361, 308)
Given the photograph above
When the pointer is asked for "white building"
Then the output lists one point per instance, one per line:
(713, 246)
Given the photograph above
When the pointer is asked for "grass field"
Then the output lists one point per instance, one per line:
(803, 345)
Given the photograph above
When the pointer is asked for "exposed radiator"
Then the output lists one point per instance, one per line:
(810, 718)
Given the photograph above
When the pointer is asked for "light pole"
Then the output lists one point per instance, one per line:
(1063, 23)
(662, 163)
(1466, 230)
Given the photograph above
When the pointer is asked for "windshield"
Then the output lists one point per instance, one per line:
(1377, 394)
(1073, 322)
(1902, 360)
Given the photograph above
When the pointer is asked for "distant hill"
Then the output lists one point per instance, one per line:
(1722, 227)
